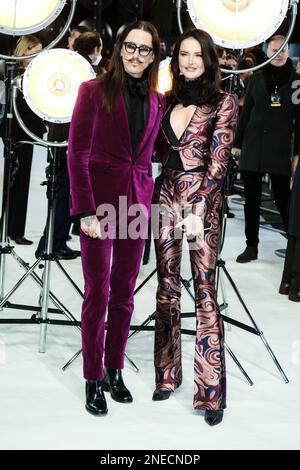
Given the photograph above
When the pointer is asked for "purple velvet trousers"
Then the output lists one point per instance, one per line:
(110, 268)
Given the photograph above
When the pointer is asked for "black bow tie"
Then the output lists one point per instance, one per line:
(137, 87)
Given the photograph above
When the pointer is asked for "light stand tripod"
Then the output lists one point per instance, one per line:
(41, 317)
(221, 268)
(9, 160)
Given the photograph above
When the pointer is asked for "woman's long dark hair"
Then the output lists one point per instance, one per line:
(113, 81)
(209, 82)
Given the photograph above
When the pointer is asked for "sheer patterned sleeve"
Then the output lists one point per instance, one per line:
(221, 144)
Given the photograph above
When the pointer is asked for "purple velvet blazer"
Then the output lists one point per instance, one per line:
(102, 165)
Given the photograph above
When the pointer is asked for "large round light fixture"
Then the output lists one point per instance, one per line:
(164, 76)
(238, 24)
(51, 81)
(19, 17)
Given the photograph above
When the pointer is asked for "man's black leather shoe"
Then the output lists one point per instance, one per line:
(284, 288)
(294, 295)
(113, 383)
(95, 398)
(65, 253)
(213, 417)
(159, 395)
(249, 254)
(21, 241)
(65, 250)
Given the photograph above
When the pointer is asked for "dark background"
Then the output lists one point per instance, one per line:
(116, 13)
(161, 12)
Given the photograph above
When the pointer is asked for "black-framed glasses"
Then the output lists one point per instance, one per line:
(131, 47)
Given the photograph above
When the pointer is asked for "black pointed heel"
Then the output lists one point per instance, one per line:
(159, 395)
(213, 417)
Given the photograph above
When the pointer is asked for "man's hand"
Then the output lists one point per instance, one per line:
(90, 226)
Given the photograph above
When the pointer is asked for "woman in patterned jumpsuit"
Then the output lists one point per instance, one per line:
(199, 128)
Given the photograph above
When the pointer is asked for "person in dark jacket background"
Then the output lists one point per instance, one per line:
(264, 138)
(18, 200)
(89, 45)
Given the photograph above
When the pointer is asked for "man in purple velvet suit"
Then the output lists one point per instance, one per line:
(115, 123)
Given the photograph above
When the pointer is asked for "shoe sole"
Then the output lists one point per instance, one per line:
(246, 261)
(161, 399)
(283, 292)
(95, 414)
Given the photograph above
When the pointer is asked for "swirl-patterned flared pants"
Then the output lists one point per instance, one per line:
(175, 189)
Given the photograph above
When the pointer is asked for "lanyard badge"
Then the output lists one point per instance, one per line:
(275, 99)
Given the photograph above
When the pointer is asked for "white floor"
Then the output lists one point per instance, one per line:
(42, 407)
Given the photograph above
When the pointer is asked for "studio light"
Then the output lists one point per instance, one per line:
(19, 17)
(51, 81)
(164, 76)
(238, 24)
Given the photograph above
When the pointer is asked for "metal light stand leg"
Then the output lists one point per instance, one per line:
(233, 356)
(151, 317)
(70, 361)
(256, 328)
(77, 354)
(44, 297)
(30, 272)
(224, 305)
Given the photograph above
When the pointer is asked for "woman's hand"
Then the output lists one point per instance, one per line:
(236, 153)
(192, 225)
(91, 226)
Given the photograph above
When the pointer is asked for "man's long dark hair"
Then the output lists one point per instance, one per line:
(113, 81)
(209, 83)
